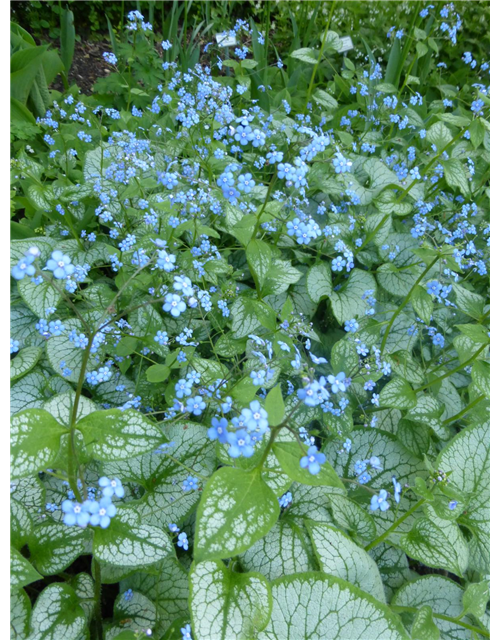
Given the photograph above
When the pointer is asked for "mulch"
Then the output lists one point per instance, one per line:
(88, 65)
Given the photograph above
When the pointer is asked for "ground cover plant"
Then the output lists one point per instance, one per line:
(250, 339)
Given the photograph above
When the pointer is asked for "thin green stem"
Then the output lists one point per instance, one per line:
(97, 598)
(441, 616)
(457, 416)
(323, 42)
(395, 525)
(452, 371)
(405, 302)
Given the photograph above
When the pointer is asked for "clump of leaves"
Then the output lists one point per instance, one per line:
(250, 350)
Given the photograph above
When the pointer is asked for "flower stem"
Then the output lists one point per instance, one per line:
(323, 42)
(97, 598)
(395, 525)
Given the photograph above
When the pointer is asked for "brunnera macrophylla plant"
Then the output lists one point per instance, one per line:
(250, 348)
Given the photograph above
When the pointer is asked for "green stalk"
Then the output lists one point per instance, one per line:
(440, 616)
(452, 371)
(405, 302)
(97, 598)
(464, 411)
(395, 525)
(323, 42)
(268, 24)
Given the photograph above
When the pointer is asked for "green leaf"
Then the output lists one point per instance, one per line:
(481, 377)
(280, 277)
(428, 412)
(244, 317)
(226, 604)
(443, 596)
(393, 566)
(395, 459)
(131, 545)
(470, 303)
(348, 303)
(24, 361)
(166, 585)
(423, 627)
(275, 406)
(34, 440)
(289, 455)
(117, 435)
(476, 597)
(21, 524)
(305, 55)
(162, 475)
(398, 394)
(477, 132)
(57, 614)
(396, 281)
(475, 332)
(316, 606)
(455, 176)
(157, 373)
(39, 297)
(437, 543)
(20, 610)
(344, 357)
(422, 304)
(319, 281)
(259, 257)
(60, 349)
(137, 613)
(54, 546)
(21, 571)
(325, 99)
(236, 509)
(351, 517)
(67, 39)
(284, 550)
(341, 557)
(466, 458)
(439, 134)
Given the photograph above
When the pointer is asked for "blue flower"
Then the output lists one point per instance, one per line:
(75, 514)
(60, 265)
(166, 261)
(195, 405)
(218, 430)
(183, 283)
(360, 466)
(245, 182)
(174, 304)
(186, 632)
(337, 382)
(14, 345)
(112, 487)
(182, 541)
(351, 326)
(101, 512)
(190, 484)
(128, 595)
(258, 377)
(397, 489)
(285, 500)
(452, 505)
(24, 267)
(375, 463)
(241, 444)
(255, 418)
(341, 164)
(313, 461)
(380, 501)
(364, 478)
